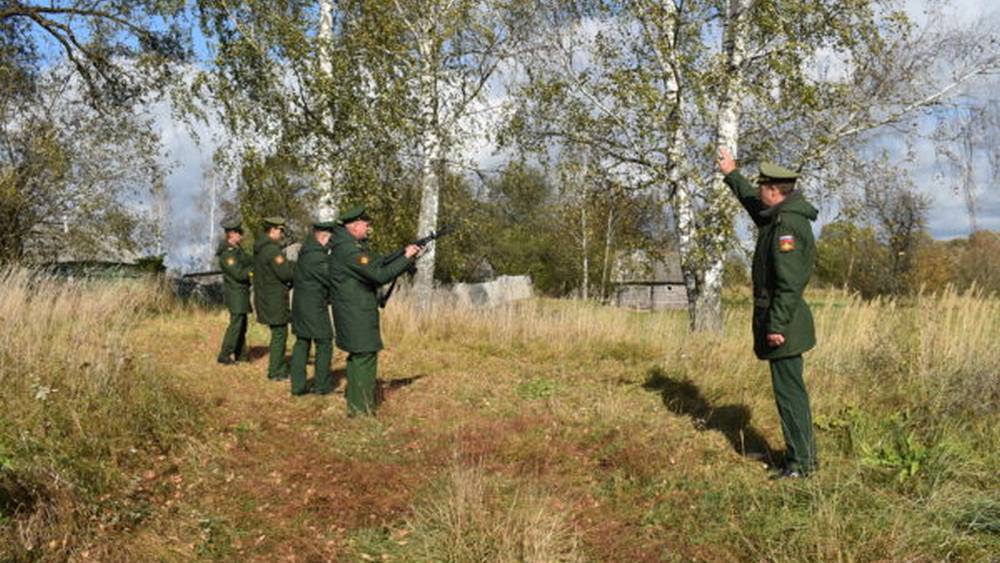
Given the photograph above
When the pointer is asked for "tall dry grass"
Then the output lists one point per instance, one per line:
(79, 408)
(943, 343)
(470, 515)
(906, 399)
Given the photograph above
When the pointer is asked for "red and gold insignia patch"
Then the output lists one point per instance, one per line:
(279, 259)
(786, 243)
(230, 261)
(363, 260)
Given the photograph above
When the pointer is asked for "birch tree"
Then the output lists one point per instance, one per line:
(648, 85)
(967, 144)
(447, 53)
(329, 198)
(286, 80)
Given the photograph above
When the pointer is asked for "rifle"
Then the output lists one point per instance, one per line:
(422, 243)
(203, 274)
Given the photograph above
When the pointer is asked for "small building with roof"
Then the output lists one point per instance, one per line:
(646, 283)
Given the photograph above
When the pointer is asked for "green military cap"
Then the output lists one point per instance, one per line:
(324, 225)
(770, 171)
(274, 222)
(353, 214)
(233, 224)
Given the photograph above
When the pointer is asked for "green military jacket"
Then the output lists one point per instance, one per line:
(782, 264)
(311, 299)
(357, 274)
(235, 265)
(272, 278)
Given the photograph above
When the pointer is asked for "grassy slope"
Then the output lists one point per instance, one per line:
(555, 431)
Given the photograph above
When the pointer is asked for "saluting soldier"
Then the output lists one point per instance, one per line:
(782, 322)
(235, 264)
(311, 311)
(272, 278)
(357, 275)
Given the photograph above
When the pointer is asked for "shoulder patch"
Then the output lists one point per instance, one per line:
(279, 259)
(230, 261)
(363, 259)
(786, 243)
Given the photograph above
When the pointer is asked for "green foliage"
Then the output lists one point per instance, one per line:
(852, 257)
(849, 256)
(900, 450)
(274, 185)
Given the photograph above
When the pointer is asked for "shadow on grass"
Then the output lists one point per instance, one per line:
(385, 388)
(681, 396)
(257, 352)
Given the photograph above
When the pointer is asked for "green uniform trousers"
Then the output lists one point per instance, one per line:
(362, 373)
(277, 368)
(234, 343)
(322, 380)
(796, 417)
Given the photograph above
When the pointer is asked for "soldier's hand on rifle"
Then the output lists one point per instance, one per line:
(412, 250)
(726, 161)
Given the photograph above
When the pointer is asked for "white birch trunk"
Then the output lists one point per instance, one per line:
(329, 200)
(682, 197)
(429, 182)
(213, 183)
(585, 252)
(708, 308)
(608, 237)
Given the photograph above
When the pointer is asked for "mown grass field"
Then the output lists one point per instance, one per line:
(546, 431)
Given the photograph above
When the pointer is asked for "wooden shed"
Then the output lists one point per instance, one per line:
(647, 284)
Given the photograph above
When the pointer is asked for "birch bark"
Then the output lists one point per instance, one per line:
(328, 198)
(719, 214)
(662, 36)
(430, 143)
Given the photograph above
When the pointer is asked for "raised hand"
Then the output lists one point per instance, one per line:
(726, 161)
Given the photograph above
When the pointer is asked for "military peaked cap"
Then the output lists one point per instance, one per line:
(232, 225)
(353, 214)
(771, 172)
(274, 222)
(324, 225)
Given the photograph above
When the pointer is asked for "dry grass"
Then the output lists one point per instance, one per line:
(80, 407)
(544, 431)
(470, 516)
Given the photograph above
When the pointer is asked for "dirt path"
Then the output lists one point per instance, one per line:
(269, 482)
(281, 478)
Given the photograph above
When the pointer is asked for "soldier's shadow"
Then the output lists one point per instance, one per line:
(681, 396)
(386, 387)
(257, 352)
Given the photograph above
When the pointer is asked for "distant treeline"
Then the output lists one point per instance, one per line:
(856, 258)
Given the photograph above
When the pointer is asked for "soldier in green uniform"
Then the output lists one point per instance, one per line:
(782, 323)
(357, 274)
(272, 278)
(235, 264)
(311, 311)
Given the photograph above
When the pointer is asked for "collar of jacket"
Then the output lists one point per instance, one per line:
(262, 241)
(341, 236)
(789, 201)
(311, 245)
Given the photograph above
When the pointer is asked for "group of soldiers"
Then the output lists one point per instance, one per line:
(335, 269)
